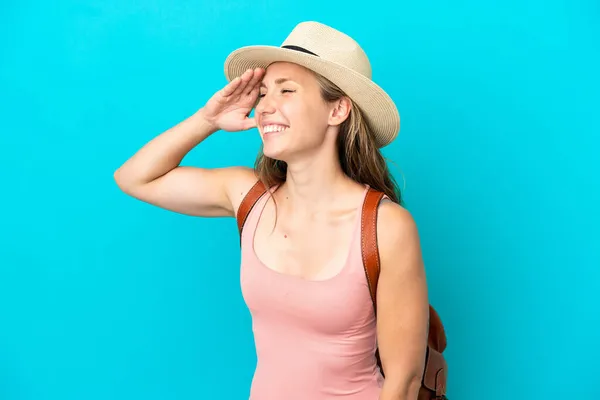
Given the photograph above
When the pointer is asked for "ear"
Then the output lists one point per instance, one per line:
(340, 111)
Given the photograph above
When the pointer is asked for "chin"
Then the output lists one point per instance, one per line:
(280, 147)
(275, 152)
(275, 148)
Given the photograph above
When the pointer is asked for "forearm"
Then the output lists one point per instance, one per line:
(164, 152)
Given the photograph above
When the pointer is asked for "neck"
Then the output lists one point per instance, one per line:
(313, 184)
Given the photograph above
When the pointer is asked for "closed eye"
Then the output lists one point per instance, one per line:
(260, 95)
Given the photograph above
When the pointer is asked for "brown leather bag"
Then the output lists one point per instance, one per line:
(433, 384)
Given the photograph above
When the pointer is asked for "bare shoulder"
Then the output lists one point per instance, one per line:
(395, 224)
(398, 238)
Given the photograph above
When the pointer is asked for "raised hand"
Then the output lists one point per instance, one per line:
(228, 109)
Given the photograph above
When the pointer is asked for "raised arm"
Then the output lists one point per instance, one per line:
(154, 175)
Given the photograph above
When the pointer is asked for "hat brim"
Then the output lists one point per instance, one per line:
(378, 108)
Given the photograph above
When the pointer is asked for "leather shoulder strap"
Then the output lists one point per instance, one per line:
(249, 200)
(369, 250)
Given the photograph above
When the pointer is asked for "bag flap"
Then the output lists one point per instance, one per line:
(434, 377)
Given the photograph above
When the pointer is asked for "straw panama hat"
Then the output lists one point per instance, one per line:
(338, 58)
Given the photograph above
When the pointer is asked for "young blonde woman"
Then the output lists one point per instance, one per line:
(322, 122)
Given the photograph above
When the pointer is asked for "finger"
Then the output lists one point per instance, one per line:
(245, 78)
(253, 96)
(253, 85)
(249, 123)
(231, 87)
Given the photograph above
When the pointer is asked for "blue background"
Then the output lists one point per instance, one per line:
(104, 297)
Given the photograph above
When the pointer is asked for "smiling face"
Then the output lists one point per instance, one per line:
(291, 115)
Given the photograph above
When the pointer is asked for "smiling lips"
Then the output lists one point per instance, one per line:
(273, 128)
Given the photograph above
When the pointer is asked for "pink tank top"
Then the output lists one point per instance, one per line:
(314, 339)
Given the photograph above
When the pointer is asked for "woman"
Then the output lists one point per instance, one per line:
(322, 122)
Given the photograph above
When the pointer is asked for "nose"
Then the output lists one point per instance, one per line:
(265, 105)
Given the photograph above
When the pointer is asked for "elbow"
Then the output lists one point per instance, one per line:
(413, 388)
(408, 391)
(402, 386)
(118, 177)
(122, 181)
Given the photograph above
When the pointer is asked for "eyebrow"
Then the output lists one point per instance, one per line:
(278, 81)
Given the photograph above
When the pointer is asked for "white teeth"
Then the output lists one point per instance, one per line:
(273, 128)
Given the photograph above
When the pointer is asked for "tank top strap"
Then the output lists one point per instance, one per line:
(355, 254)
